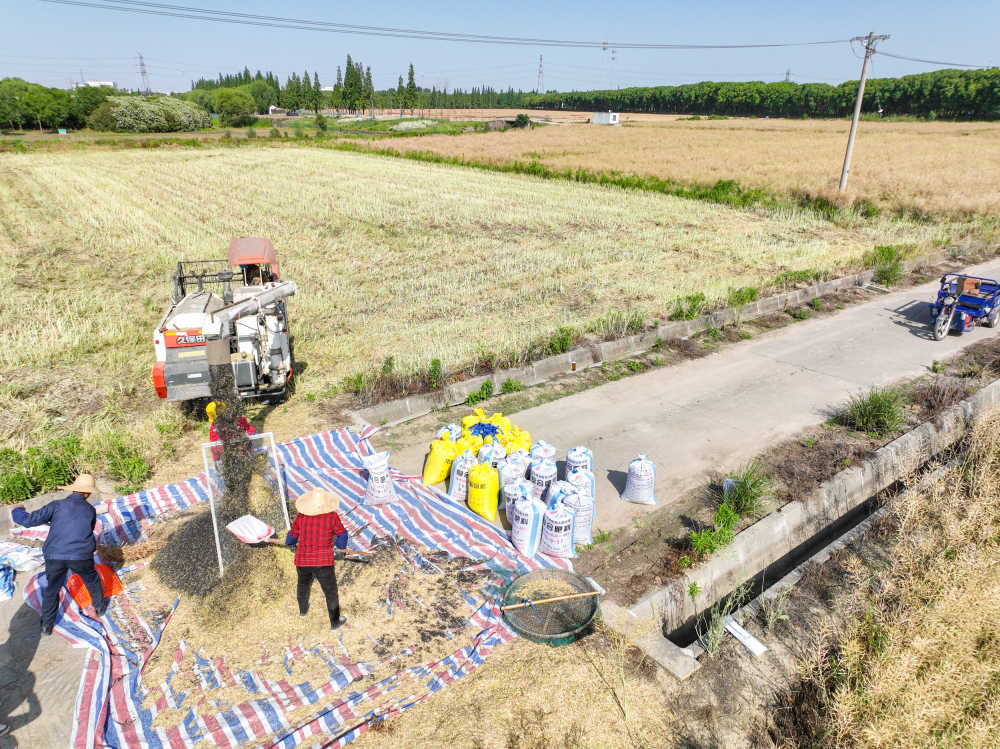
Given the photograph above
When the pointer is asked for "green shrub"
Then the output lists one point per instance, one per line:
(321, 123)
(511, 386)
(887, 261)
(275, 133)
(435, 377)
(801, 314)
(155, 114)
(251, 133)
(485, 391)
(688, 307)
(878, 412)
(750, 485)
(618, 324)
(703, 542)
(742, 295)
(522, 120)
(561, 340)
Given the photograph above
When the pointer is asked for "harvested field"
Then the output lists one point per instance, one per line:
(392, 258)
(945, 168)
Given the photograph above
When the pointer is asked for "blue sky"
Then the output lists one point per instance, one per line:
(54, 44)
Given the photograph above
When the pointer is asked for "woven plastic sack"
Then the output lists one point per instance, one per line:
(542, 450)
(641, 481)
(583, 480)
(543, 473)
(484, 489)
(492, 453)
(512, 493)
(458, 484)
(110, 585)
(557, 532)
(578, 458)
(450, 431)
(437, 466)
(6, 582)
(557, 491)
(582, 507)
(380, 490)
(526, 525)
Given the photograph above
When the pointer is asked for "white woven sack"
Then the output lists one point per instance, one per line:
(582, 507)
(458, 482)
(557, 490)
(250, 530)
(526, 525)
(524, 457)
(380, 490)
(543, 450)
(452, 432)
(512, 493)
(543, 473)
(557, 532)
(493, 452)
(583, 480)
(641, 481)
(579, 458)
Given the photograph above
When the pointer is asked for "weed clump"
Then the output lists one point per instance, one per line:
(887, 260)
(749, 486)
(688, 307)
(37, 469)
(877, 412)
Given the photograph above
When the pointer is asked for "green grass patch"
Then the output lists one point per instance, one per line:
(38, 469)
(478, 396)
(750, 485)
(887, 261)
(688, 307)
(877, 412)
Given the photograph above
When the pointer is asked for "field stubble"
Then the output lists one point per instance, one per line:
(392, 258)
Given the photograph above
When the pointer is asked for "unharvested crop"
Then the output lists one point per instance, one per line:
(934, 167)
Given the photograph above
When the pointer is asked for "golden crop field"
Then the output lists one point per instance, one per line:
(392, 258)
(946, 168)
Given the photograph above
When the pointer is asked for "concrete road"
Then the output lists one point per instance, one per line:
(716, 413)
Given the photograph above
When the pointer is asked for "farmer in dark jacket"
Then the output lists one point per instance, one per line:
(69, 547)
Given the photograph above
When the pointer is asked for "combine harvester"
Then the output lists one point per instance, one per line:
(226, 312)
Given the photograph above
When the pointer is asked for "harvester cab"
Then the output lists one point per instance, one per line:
(229, 311)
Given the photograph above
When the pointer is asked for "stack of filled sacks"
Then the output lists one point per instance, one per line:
(471, 456)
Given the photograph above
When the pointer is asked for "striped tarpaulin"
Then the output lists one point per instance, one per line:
(110, 710)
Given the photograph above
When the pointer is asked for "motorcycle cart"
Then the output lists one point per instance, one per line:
(964, 302)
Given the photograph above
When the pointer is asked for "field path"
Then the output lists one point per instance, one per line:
(714, 414)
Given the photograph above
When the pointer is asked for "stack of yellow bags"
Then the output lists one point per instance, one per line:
(477, 430)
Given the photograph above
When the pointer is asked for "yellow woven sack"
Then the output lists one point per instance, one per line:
(484, 488)
(437, 467)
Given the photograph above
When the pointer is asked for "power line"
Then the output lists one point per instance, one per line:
(250, 19)
(934, 62)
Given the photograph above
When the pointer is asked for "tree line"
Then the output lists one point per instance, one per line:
(946, 94)
(32, 105)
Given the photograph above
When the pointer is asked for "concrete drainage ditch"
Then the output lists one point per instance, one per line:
(776, 544)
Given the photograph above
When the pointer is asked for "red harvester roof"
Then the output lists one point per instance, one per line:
(253, 251)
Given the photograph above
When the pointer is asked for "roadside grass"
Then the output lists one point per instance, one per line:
(914, 666)
(877, 412)
(749, 487)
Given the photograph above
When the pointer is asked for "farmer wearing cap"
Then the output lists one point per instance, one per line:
(314, 532)
(69, 546)
(227, 432)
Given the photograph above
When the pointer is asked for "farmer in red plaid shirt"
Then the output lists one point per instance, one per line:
(315, 531)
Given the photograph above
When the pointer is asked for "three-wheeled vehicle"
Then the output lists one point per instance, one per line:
(964, 302)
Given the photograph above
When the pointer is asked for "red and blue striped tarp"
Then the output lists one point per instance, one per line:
(110, 712)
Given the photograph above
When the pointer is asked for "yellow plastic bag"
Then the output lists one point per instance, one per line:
(484, 489)
(437, 467)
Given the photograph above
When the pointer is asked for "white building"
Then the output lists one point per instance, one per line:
(605, 118)
(96, 84)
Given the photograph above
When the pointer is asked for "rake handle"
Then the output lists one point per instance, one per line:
(549, 600)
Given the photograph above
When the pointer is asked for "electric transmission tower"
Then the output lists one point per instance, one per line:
(788, 75)
(869, 51)
(540, 85)
(144, 74)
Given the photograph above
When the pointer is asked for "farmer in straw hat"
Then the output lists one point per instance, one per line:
(315, 531)
(69, 546)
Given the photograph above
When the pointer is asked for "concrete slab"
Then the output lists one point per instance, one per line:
(645, 634)
(714, 414)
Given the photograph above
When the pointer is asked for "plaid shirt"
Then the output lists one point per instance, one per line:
(313, 537)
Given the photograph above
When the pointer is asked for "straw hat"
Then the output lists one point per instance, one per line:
(84, 484)
(317, 502)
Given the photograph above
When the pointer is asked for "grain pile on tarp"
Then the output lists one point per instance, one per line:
(115, 708)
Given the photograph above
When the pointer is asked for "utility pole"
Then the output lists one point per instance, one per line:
(144, 75)
(540, 85)
(869, 51)
(788, 75)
